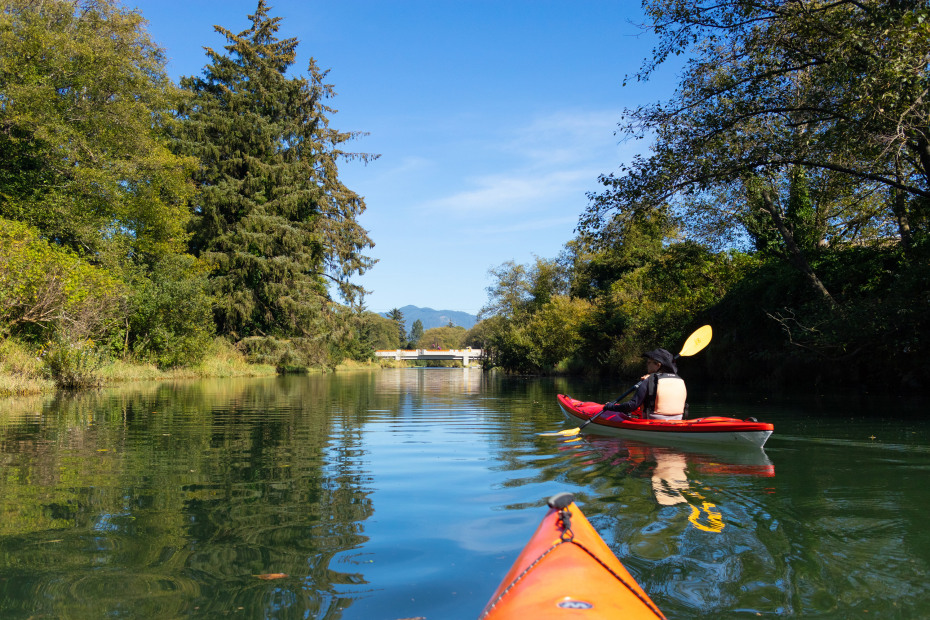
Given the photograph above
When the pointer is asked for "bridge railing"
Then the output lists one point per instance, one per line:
(466, 355)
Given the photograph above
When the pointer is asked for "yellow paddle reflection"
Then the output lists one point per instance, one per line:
(668, 468)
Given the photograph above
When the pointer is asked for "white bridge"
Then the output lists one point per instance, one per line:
(464, 355)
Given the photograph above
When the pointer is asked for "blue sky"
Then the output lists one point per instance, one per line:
(493, 119)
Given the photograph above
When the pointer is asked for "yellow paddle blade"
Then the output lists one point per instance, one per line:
(568, 432)
(697, 341)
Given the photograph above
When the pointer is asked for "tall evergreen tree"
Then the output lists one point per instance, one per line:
(272, 216)
(416, 332)
(398, 317)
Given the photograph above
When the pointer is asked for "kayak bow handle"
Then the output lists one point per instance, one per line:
(561, 500)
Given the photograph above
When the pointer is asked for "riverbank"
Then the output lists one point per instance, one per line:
(24, 372)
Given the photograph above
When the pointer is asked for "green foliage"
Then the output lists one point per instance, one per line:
(800, 127)
(509, 347)
(287, 355)
(47, 288)
(87, 168)
(519, 289)
(85, 100)
(481, 335)
(416, 332)
(555, 331)
(348, 334)
(443, 338)
(271, 215)
(509, 293)
(170, 319)
(351, 335)
(532, 325)
(654, 304)
(597, 262)
(771, 322)
(397, 317)
(798, 131)
(73, 364)
(382, 332)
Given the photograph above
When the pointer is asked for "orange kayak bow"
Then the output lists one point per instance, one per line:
(566, 570)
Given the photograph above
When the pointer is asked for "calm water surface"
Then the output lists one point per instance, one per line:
(408, 493)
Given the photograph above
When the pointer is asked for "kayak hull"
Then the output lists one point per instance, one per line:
(708, 430)
(568, 573)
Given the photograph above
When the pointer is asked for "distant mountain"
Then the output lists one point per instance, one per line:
(435, 318)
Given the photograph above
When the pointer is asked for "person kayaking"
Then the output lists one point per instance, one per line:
(661, 393)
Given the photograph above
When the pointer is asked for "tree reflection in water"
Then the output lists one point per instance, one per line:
(171, 500)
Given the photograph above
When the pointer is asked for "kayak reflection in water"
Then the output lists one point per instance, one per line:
(669, 474)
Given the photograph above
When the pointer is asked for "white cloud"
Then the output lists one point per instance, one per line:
(566, 224)
(553, 161)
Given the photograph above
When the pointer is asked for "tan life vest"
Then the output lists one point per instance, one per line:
(665, 399)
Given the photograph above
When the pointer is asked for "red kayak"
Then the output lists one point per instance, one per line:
(566, 570)
(715, 429)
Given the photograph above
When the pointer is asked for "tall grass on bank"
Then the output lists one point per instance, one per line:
(225, 360)
(74, 365)
(21, 370)
(25, 370)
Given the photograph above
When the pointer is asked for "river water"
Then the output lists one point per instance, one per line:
(407, 493)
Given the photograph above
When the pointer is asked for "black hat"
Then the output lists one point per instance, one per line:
(663, 357)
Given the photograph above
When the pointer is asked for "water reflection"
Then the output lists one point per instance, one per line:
(180, 497)
(408, 493)
(431, 381)
(668, 467)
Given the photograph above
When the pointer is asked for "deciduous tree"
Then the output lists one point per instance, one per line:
(45, 287)
(518, 289)
(83, 156)
(776, 94)
(443, 338)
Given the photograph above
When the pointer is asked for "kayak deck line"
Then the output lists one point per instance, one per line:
(525, 594)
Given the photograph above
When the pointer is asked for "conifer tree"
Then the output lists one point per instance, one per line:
(398, 317)
(271, 216)
(416, 332)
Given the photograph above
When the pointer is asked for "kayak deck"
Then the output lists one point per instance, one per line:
(714, 429)
(566, 570)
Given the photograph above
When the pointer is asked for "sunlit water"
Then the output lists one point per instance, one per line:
(408, 493)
